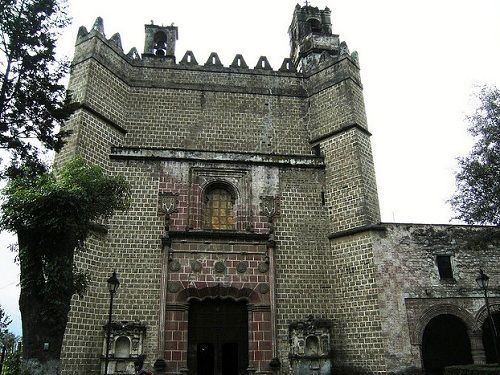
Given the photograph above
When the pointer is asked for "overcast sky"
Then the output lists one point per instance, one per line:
(420, 63)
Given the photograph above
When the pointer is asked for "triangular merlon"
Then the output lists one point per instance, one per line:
(239, 62)
(263, 64)
(189, 59)
(213, 60)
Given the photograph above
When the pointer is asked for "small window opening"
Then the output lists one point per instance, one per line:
(189, 59)
(263, 63)
(213, 60)
(239, 62)
(323, 200)
(444, 267)
(317, 150)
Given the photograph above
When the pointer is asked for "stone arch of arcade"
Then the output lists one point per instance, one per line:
(442, 309)
(447, 334)
(486, 330)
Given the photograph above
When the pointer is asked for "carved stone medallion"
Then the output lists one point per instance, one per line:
(196, 266)
(263, 267)
(242, 267)
(174, 265)
(263, 288)
(174, 286)
(219, 267)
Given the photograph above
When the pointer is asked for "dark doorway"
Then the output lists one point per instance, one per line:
(445, 343)
(488, 336)
(218, 337)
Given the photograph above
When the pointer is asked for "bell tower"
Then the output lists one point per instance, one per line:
(160, 41)
(311, 37)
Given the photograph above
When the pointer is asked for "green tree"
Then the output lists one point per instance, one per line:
(477, 199)
(4, 322)
(12, 363)
(5, 336)
(53, 214)
(12, 360)
(33, 103)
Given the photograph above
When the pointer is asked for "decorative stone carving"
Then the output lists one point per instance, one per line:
(196, 266)
(242, 267)
(126, 345)
(263, 267)
(219, 267)
(310, 350)
(174, 266)
(174, 286)
(269, 206)
(263, 288)
(167, 203)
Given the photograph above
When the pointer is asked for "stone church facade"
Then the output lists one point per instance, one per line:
(253, 244)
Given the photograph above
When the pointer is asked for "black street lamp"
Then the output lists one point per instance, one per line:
(482, 280)
(113, 284)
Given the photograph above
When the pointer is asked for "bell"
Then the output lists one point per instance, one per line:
(160, 48)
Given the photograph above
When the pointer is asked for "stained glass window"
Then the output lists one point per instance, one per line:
(219, 209)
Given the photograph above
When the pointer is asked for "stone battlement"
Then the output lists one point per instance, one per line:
(213, 63)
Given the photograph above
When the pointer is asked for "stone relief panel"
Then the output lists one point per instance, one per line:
(126, 345)
(310, 349)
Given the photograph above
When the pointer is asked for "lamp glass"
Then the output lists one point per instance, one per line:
(482, 280)
(113, 283)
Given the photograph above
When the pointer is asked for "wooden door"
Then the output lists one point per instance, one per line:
(218, 337)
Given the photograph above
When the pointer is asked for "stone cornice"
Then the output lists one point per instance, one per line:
(277, 160)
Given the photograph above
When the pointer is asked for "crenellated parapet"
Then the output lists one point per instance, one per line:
(159, 52)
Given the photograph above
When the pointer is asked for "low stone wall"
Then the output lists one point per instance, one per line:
(472, 370)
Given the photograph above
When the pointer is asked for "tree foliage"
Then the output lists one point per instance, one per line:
(4, 322)
(53, 214)
(33, 103)
(477, 199)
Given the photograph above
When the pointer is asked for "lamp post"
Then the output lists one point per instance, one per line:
(113, 284)
(482, 280)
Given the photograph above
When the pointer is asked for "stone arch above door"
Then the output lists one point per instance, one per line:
(441, 309)
(219, 291)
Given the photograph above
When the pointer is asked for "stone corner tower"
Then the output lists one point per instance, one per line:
(311, 37)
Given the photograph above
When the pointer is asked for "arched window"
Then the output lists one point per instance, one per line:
(160, 45)
(219, 208)
(315, 25)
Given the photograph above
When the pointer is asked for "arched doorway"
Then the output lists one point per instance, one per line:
(488, 336)
(445, 342)
(218, 337)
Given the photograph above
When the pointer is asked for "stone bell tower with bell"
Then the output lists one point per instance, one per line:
(311, 37)
(160, 41)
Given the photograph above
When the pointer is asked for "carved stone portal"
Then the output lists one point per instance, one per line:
(310, 350)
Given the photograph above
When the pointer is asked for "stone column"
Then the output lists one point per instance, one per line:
(477, 348)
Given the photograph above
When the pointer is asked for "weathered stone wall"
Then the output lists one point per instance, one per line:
(411, 292)
(358, 340)
(302, 284)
